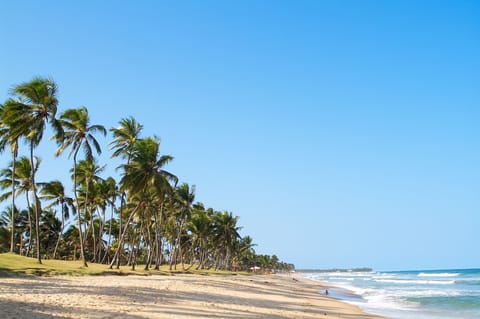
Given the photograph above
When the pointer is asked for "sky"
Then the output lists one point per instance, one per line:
(343, 133)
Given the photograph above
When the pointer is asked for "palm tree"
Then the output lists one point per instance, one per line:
(245, 252)
(100, 199)
(70, 240)
(226, 235)
(55, 193)
(105, 195)
(20, 221)
(200, 226)
(87, 175)
(76, 132)
(145, 221)
(184, 198)
(51, 230)
(143, 173)
(34, 107)
(125, 136)
(7, 138)
(22, 178)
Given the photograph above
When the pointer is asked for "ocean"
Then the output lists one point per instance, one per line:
(425, 294)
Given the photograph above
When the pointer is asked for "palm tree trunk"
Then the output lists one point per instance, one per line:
(30, 229)
(204, 259)
(158, 230)
(149, 257)
(91, 226)
(176, 245)
(204, 256)
(12, 239)
(158, 247)
(21, 244)
(122, 199)
(37, 206)
(61, 233)
(182, 257)
(109, 231)
(94, 237)
(100, 232)
(130, 254)
(79, 222)
(122, 236)
(191, 260)
(133, 254)
(149, 245)
(179, 239)
(173, 253)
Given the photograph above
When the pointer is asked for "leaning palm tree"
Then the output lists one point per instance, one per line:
(34, 106)
(76, 132)
(55, 193)
(144, 173)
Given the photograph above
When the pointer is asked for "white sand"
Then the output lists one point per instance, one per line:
(179, 296)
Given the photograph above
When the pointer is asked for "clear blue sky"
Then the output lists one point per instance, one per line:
(343, 133)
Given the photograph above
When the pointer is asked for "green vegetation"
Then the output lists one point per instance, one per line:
(13, 264)
(144, 217)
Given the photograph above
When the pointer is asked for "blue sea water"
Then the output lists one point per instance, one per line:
(427, 294)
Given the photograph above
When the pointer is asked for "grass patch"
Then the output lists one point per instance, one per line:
(16, 265)
(13, 264)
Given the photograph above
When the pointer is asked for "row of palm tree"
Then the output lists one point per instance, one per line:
(144, 216)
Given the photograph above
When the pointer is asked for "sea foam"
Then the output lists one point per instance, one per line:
(424, 294)
(445, 274)
(416, 282)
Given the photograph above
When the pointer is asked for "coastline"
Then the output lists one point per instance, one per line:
(179, 296)
(340, 295)
(428, 294)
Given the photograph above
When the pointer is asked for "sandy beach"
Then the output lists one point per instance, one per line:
(179, 296)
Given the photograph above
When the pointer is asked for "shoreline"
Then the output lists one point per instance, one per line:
(179, 296)
(342, 295)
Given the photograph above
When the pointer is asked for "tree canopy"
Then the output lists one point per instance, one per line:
(153, 219)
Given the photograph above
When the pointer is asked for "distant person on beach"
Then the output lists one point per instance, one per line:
(326, 292)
